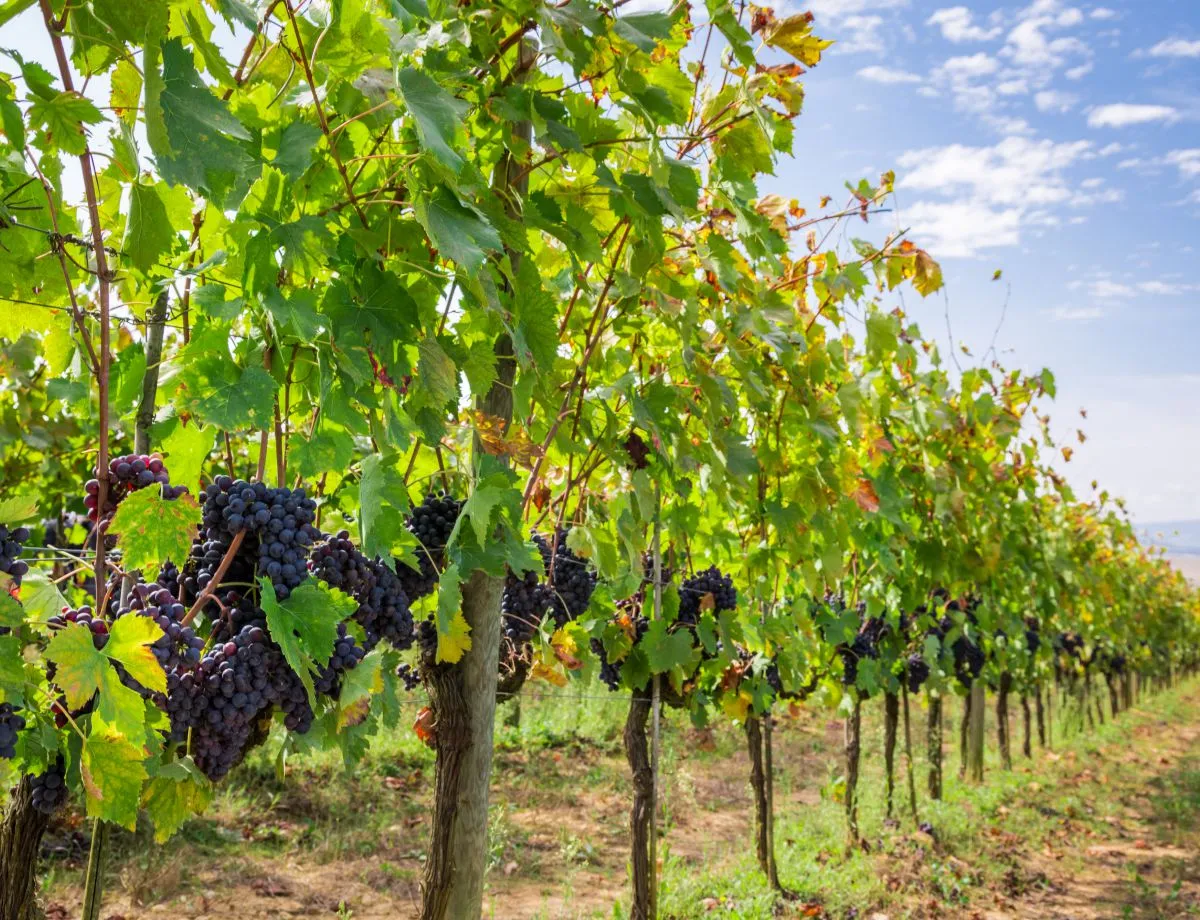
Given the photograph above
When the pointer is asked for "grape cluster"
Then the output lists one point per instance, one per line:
(864, 645)
(10, 553)
(278, 524)
(347, 653)
(693, 591)
(916, 672)
(522, 606)
(221, 700)
(11, 722)
(409, 675)
(49, 789)
(383, 606)
(1033, 637)
(180, 647)
(128, 474)
(570, 581)
(638, 451)
(83, 616)
(431, 522)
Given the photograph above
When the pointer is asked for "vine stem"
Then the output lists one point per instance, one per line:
(54, 29)
(655, 710)
(214, 583)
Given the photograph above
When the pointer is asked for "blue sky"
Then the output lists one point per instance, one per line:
(1059, 142)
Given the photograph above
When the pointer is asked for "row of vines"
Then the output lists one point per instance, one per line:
(358, 346)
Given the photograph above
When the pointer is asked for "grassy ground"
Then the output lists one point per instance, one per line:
(1105, 825)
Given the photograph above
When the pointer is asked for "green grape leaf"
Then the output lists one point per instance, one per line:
(112, 771)
(149, 234)
(381, 522)
(227, 396)
(436, 371)
(185, 449)
(325, 450)
(305, 625)
(11, 670)
(12, 614)
(359, 684)
(176, 792)
(643, 30)
(460, 233)
(80, 666)
(18, 508)
(63, 118)
(481, 505)
(668, 650)
(40, 596)
(150, 530)
(438, 114)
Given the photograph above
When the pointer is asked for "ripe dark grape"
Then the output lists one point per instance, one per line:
(571, 581)
(84, 616)
(694, 590)
(179, 648)
(916, 672)
(49, 789)
(346, 655)
(409, 675)
(125, 475)
(522, 607)
(638, 451)
(11, 544)
(11, 722)
(431, 522)
(383, 607)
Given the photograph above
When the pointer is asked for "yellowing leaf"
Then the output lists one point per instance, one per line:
(736, 706)
(151, 529)
(112, 772)
(794, 35)
(456, 642)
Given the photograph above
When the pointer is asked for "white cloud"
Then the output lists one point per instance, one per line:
(1103, 12)
(1104, 289)
(1109, 149)
(1054, 101)
(957, 25)
(877, 74)
(975, 65)
(1123, 114)
(963, 228)
(1091, 183)
(1186, 161)
(839, 9)
(862, 34)
(1029, 44)
(989, 195)
(1078, 73)
(1176, 48)
(1018, 87)
(1078, 314)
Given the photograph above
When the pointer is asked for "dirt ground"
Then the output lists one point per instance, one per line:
(1105, 833)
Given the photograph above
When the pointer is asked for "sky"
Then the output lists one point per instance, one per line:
(1060, 143)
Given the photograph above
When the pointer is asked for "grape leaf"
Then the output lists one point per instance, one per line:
(454, 633)
(305, 625)
(80, 666)
(481, 506)
(185, 449)
(460, 233)
(176, 792)
(358, 686)
(18, 508)
(643, 30)
(150, 530)
(12, 615)
(112, 772)
(129, 643)
(438, 114)
(665, 651)
(149, 234)
(40, 596)
(436, 371)
(382, 523)
(229, 397)
(63, 117)
(794, 35)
